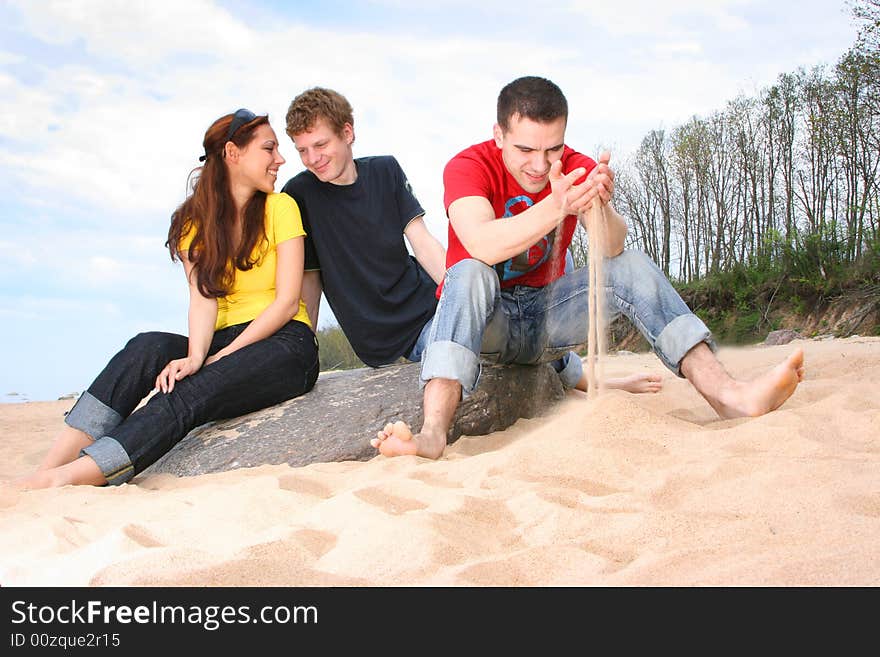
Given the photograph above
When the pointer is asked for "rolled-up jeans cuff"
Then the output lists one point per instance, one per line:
(112, 459)
(570, 369)
(449, 360)
(92, 417)
(680, 336)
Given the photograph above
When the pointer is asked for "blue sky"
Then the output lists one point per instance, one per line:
(104, 105)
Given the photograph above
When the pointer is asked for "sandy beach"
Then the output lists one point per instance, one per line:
(621, 490)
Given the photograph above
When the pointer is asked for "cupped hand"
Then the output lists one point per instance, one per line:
(569, 197)
(600, 180)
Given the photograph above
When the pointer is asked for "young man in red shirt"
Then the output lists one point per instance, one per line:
(513, 203)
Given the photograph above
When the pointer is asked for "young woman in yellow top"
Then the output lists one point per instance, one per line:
(250, 341)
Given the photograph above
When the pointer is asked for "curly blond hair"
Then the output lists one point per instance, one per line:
(316, 103)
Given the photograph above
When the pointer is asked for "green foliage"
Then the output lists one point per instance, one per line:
(335, 351)
(738, 305)
(867, 269)
(799, 305)
(817, 260)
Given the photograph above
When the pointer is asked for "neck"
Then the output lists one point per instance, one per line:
(241, 194)
(349, 174)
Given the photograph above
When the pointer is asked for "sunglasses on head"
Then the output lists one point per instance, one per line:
(240, 117)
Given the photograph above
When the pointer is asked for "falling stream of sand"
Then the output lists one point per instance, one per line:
(596, 334)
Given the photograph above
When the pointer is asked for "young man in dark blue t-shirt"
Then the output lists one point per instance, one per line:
(357, 213)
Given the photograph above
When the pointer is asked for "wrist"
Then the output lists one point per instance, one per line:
(556, 210)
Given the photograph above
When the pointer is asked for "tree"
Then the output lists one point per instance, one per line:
(787, 178)
(868, 12)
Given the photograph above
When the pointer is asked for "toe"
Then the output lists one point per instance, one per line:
(402, 431)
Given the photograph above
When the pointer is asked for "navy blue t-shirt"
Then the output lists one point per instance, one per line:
(381, 296)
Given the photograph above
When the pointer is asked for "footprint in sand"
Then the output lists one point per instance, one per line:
(67, 533)
(392, 504)
(675, 490)
(317, 543)
(486, 526)
(299, 484)
(586, 486)
(142, 536)
(617, 558)
(863, 505)
(570, 499)
(434, 479)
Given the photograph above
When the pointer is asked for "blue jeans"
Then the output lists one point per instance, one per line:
(127, 441)
(528, 325)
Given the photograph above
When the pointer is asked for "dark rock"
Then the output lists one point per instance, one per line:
(783, 336)
(337, 419)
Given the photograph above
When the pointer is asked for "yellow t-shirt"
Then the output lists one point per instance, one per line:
(253, 290)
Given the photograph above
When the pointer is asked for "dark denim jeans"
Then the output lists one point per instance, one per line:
(127, 441)
(476, 319)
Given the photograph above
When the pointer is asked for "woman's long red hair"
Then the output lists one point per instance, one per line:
(210, 213)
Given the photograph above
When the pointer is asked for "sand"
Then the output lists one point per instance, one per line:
(621, 490)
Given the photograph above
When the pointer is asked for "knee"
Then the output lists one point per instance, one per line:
(153, 341)
(631, 266)
(631, 259)
(474, 276)
(638, 281)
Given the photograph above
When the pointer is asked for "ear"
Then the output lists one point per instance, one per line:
(231, 152)
(498, 133)
(348, 133)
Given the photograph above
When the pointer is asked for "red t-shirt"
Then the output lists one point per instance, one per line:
(480, 171)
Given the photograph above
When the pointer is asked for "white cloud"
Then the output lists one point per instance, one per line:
(18, 255)
(51, 309)
(126, 140)
(680, 47)
(127, 143)
(137, 31)
(101, 264)
(662, 19)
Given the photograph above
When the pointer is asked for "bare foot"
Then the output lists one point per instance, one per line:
(637, 383)
(39, 479)
(766, 393)
(397, 440)
(81, 472)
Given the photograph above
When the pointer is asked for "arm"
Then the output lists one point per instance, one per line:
(288, 288)
(473, 218)
(491, 241)
(427, 249)
(615, 229)
(202, 318)
(311, 294)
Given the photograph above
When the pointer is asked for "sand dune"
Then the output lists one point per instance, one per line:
(623, 490)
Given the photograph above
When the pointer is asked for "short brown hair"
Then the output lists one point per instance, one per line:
(316, 103)
(533, 98)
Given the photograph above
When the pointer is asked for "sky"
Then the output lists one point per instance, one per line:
(104, 104)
